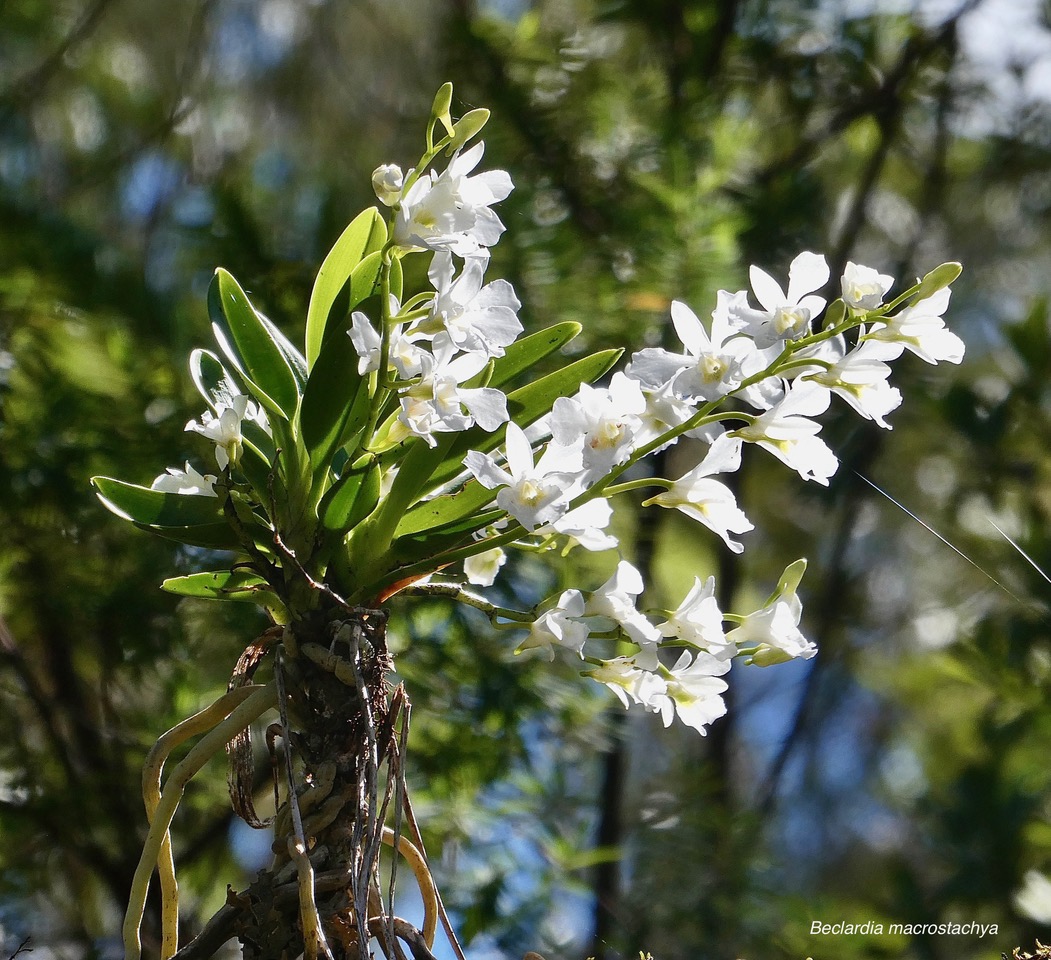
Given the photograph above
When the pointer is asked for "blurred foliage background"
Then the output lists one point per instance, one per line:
(658, 147)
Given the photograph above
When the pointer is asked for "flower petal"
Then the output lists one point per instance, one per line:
(767, 290)
(808, 272)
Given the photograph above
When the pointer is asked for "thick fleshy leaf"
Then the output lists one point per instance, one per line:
(444, 510)
(366, 234)
(240, 585)
(257, 462)
(526, 351)
(194, 520)
(208, 373)
(351, 498)
(415, 547)
(296, 361)
(248, 344)
(335, 402)
(364, 282)
(211, 536)
(155, 507)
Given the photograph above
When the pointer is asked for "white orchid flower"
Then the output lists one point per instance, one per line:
(534, 494)
(561, 626)
(450, 211)
(436, 402)
(864, 288)
(694, 690)
(586, 525)
(710, 368)
(631, 683)
(603, 421)
(784, 316)
(788, 433)
(481, 568)
(475, 318)
(615, 601)
(387, 181)
(698, 621)
(772, 631)
(860, 375)
(188, 482)
(921, 329)
(223, 427)
(709, 501)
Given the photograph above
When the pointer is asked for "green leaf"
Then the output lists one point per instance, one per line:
(240, 585)
(526, 351)
(367, 233)
(198, 521)
(412, 548)
(296, 362)
(440, 511)
(364, 281)
(352, 498)
(212, 536)
(208, 373)
(335, 403)
(156, 507)
(253, 350)
(528, 403)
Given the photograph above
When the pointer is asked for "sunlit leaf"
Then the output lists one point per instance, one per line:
(209, 375)
(251, 347)
(352, 498)
(335, 402)
(527, 351)
(240, 585)
(212, 536)
(156, 507)
(447, 509)
(366, 234)
(364, 281)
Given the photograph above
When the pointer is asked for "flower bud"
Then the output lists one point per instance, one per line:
(387, 180)
(863, 287)
(440, 108)
(469, 125)
(767, 656)
(939, 278)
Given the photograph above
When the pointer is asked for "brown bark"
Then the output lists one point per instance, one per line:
(340, 742)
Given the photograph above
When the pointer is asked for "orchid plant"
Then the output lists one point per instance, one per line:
(394, 456)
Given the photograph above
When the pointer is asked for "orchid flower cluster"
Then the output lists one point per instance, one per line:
(394, 448)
